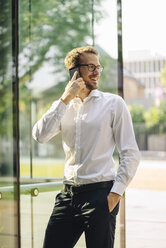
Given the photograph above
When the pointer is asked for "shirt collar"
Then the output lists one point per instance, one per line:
(94, 93)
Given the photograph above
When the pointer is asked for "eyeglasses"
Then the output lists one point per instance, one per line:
(92, 67)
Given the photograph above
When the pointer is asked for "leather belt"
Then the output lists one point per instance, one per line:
(87, 187)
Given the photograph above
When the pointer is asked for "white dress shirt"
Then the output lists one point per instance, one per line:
(90, 131)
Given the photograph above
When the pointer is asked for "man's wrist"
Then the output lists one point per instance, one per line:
(115, 195)
(113, 200)
(65, 100)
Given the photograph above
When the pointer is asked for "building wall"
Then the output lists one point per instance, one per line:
(147, 71)
(132, 89)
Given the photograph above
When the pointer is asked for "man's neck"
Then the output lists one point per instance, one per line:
(84, 93)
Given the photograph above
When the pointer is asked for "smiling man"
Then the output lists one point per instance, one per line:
(92, 124)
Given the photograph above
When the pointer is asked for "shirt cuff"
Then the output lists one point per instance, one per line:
(118, 188)
(62, 105)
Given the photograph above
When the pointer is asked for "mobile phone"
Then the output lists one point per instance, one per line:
(72, 70)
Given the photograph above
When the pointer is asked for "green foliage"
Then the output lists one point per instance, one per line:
(5, 116)
(52, 28)
(154, 118)
(156, 115)
(5, 43)
(108, 80)
(137, 113)
(162, 112)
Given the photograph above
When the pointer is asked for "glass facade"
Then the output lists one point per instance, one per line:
(9, 203)
(47, 31)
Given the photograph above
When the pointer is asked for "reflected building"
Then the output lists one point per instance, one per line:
(146, 69)
(134, 90)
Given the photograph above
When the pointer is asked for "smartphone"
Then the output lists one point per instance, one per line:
(72, 70)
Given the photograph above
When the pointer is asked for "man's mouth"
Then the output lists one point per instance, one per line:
(94, 79)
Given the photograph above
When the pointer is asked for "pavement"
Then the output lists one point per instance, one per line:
(145, 218)
(146, 206)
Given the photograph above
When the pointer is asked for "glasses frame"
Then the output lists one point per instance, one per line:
(100, 68)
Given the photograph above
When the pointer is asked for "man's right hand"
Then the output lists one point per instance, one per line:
(73, 88)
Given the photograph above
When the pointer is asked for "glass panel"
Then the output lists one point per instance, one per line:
(105, 30)
(45, 38)
(35, 216)
(8, 203)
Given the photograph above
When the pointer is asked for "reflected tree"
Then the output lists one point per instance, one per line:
(5, 89)
(49, 29)
(5, 68)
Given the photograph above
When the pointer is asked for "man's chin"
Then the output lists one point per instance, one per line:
(91, 87)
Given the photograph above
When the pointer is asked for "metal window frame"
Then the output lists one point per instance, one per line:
(15, 112)
(121, 93)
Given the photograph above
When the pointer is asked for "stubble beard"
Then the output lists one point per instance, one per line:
(90, 86)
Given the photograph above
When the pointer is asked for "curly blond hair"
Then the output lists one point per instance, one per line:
(73, 57)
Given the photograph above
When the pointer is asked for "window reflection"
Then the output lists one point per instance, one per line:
(45, 38)
(8, 217)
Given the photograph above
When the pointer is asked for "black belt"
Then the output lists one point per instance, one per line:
(87, 187)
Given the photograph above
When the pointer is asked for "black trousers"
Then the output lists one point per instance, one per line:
(76, 213)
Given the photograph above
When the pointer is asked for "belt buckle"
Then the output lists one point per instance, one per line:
(69, 189)
(66, 188)
(73, 190)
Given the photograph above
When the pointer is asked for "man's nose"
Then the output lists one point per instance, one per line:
(96, 71)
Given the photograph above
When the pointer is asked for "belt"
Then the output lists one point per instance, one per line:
(87, 187)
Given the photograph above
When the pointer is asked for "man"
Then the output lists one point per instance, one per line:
(92, 123)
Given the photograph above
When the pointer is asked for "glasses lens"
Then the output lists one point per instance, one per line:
(100, 68)
(91, 67)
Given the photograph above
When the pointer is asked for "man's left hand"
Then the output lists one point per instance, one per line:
(113, 200)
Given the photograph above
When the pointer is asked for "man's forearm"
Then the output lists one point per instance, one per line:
(49, 125)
